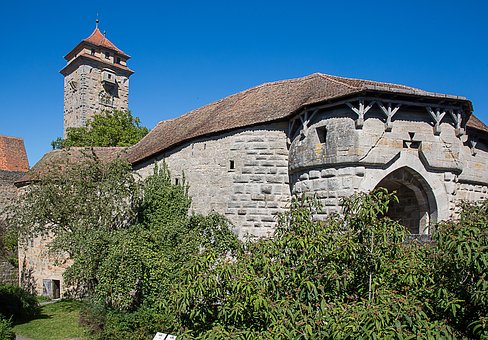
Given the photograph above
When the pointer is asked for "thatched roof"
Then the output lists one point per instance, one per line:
(261, 104)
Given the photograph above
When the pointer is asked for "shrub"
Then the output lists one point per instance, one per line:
(17, 304)
(6, 332)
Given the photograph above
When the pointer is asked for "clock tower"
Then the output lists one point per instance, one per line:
(96, 79)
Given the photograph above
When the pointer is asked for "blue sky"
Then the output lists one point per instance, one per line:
(189, 53)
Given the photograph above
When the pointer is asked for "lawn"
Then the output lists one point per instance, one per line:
(58, 320)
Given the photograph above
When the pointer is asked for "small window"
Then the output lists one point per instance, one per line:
(322, 134)
(231, 165)
(117, 60)
(109, 76)
(107, 55)
(177, 181)
(92, 51)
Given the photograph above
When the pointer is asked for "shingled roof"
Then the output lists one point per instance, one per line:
(260, 104)
(58, 160)
(12, 154)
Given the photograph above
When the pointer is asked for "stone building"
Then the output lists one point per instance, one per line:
(13, 165)
(244, 156)
(96, 78)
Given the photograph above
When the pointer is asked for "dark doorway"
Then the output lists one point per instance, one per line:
(414, 209)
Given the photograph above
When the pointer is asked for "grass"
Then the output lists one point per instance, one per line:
(58, 320)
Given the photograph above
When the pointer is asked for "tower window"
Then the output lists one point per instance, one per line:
(92, 51)
(117, 60)
(232, 165)
(107, 55)
(322, 134)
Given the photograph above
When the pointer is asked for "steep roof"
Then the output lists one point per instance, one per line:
(97, 39)
(260, 104)
(12, 154)
(58, 160)
(475, 123)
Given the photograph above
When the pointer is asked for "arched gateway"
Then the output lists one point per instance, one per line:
(416, 208)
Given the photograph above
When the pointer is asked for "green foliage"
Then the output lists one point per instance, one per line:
(346, 277)
(16, 304)
(81, 205)
(8, 243)
(6, 332)
(116, 128)
(461, 275)
(148, 266)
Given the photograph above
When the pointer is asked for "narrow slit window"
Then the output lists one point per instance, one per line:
(232, 165)
(322, 134)
(107, 55)
(177, 181)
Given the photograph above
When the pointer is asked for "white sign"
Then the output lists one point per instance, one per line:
(164, 336)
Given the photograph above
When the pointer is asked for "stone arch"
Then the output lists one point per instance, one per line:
(417, 207)
(432, 181)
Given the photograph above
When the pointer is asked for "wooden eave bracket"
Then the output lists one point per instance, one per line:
(389, 111)
(437, 116)
(457, 118)
(361, 110)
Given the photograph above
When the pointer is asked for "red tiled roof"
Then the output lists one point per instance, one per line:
(98, 39)
(12, 154)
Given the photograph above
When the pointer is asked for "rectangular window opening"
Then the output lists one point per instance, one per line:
(231, 165)
(322, 134)
(107, 55)
(177, 181)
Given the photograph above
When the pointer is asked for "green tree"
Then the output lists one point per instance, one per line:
(79, 205)
(109, 128)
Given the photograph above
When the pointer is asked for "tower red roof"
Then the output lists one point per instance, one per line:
(98, 39)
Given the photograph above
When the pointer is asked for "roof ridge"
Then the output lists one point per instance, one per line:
(246, 91)
(336, 80)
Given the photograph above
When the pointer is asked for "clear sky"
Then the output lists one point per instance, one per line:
(186, 54)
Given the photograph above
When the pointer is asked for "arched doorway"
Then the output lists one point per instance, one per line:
(416, 207)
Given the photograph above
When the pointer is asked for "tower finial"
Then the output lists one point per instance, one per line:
(97, 21)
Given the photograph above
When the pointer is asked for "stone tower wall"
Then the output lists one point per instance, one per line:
(82, 94)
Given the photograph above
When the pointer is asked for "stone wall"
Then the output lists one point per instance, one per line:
(36, 264)
(8, 272)
(242, 174)
(82, 94)
(332, 159)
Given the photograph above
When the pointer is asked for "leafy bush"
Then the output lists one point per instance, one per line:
(6, 332)
(462, 267)
(346, 277)
(17, 304)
